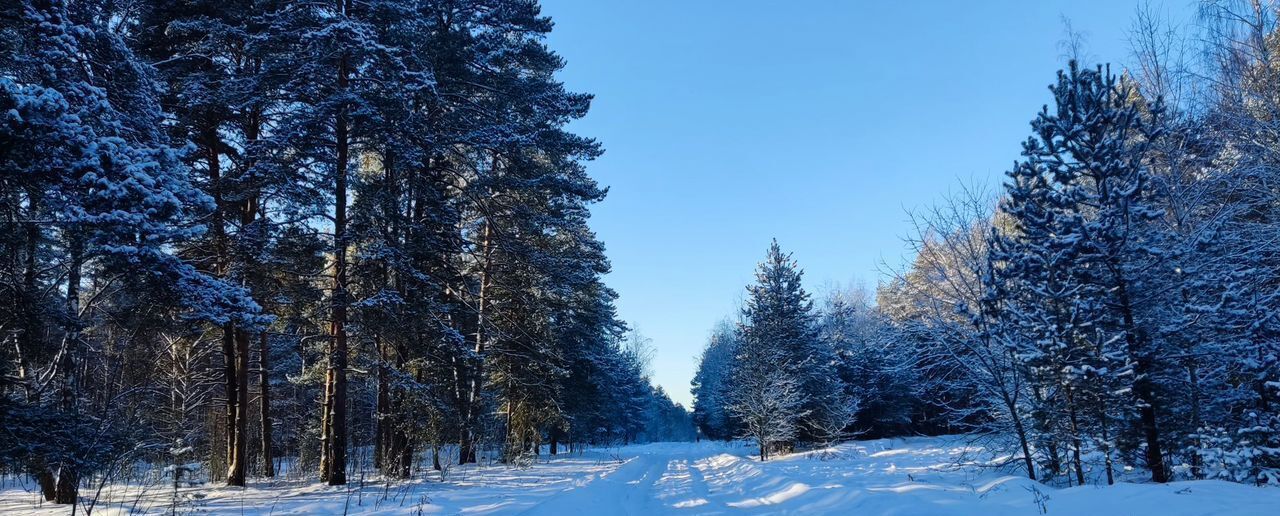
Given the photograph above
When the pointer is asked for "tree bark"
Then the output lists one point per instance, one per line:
(28, 339)
(467, 453)
(1106, 442)
(68, 486)
(235, 383)
(1142, 388)
(48, 484)
(264, 404)
(334, 459)
(1193, 375)
(26, 303)
(381, 422)
(252, 211)
(1075, 436)
(236, 458)
(233, 396)
(1021, 430)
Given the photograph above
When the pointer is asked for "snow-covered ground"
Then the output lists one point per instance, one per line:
(889, 476)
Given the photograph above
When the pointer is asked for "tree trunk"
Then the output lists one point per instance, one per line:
(1106, 442)
(264, 394)
(334, 459)
(48, 484)
(233, 379)
(1193, 375)
(233, 397)
(66, 490)
(382, 426)
(28, 340)
(1075, 437)
(68, 485)
(237, 452)
(326, 413)
(253, 210)
(466, 449)
(1021, 430)
(405, 460)
(467, 453)
(397, 460)
(1155, 457)
(1142, 383)
(461, 371)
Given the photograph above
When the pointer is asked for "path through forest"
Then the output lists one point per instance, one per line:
(900, 477)
(916, 476)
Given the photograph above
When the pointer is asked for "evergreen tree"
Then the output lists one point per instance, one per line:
(712, 388)
(1081, 245)
(773, 370)
(112, 199)
(210, 57)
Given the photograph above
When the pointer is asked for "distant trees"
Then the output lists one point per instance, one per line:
(711, 384)
(1112, 307)
(238, 231)
(877, 373)
(771, 378)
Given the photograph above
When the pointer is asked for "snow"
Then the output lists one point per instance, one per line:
(915, 476)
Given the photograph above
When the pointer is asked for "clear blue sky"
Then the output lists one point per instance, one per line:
(729, 123)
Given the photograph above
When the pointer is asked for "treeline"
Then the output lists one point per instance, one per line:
(787, 373)
(1116, 304)
(238, 230)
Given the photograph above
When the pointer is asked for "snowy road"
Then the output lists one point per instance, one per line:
(662, 479)
(898, 477)
(633, 488)
(917, 476)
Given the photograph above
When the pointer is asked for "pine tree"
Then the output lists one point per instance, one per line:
(392, 180)
(773, 370)
(1081, 240)
(208, 55)
(329, 51)
(115, 195)
(1037, 257)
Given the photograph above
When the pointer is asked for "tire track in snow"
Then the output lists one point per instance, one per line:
(626, 490)
(699, 493)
